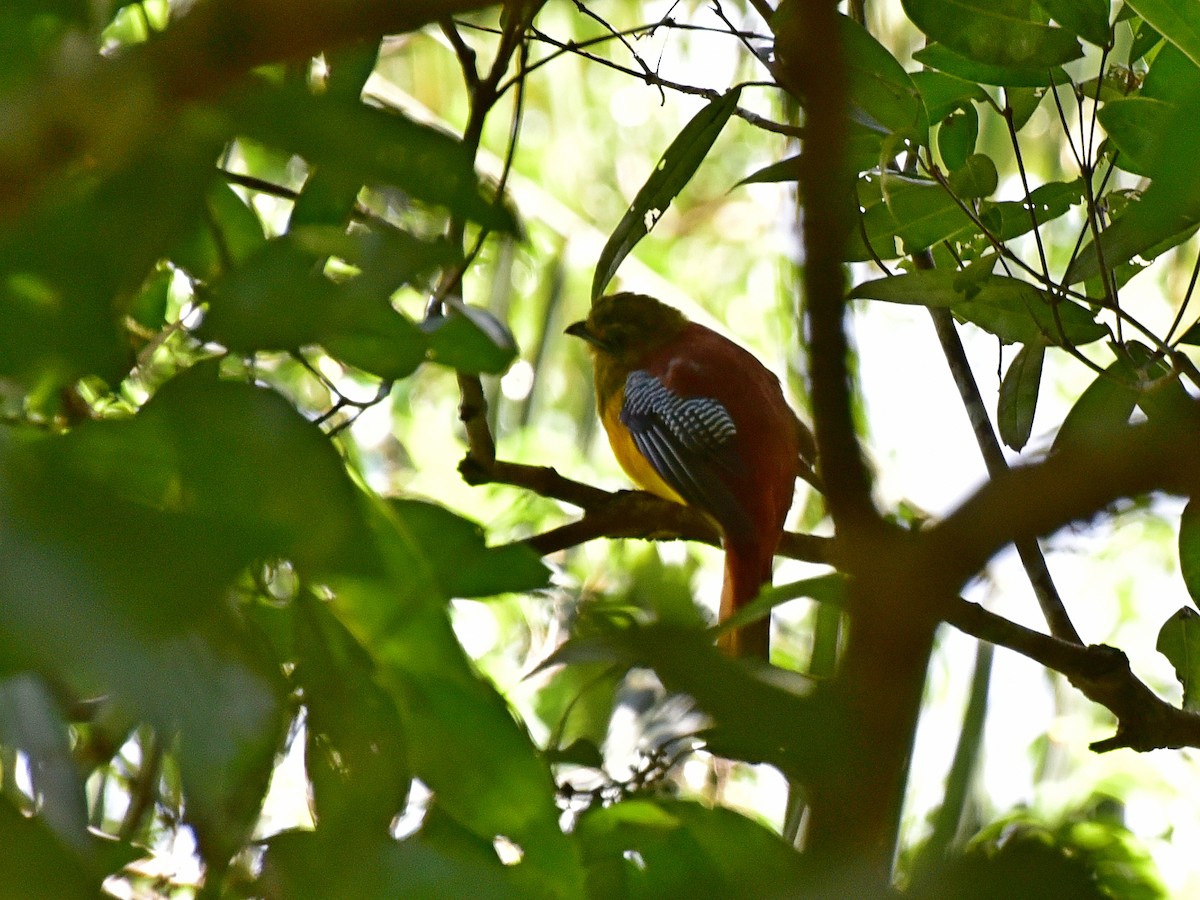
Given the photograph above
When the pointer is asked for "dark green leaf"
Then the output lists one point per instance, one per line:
(35, 865)
(977, 177)
(994, 32)
(326, 866)
(920, 213)
(946, 60)
(355, 748)
(371, 146)
(1189, 551)
(883, 97)
(784, 170)
(471, 340)
(1086, 18)
(1008, 219)
(1019, 395)
(827, 589)
(1172, 77)
(224, 236)
(1153, 223)
(685, 849)
(944, 93)
(1023, 101)
(956, 137)
(149, 307)
(1135, 125)
(1175, 20)
(1103, 407)
(1144, 40)
(1179, 637)
(464, 741)
(669, 177)
(463, 565)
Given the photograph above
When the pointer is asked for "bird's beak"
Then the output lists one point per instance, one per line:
(580, 330)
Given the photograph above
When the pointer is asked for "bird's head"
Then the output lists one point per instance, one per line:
(628, 326)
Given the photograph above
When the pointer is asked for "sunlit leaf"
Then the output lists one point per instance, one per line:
(676, 168)
(1179, 637)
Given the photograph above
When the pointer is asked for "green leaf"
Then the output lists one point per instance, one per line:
(882, 96)
(1013, 310)
(463, 565)
(1023, 101)
(1136, 125)
(371, 146)
(944, 59)
(676, 168)
(1103, 407)
(1008, 219)
(976, 178)
(685, 849)
(35, 865)
(1086, 18)
(944, 93)
(1151, 224)
(470, 340)
(1179, 637)
(784, 170)
(464, 740)
(918, 212)
(355, 747)
(1189, 550)
(1019, 395)
(283, 299)
(226, 235)
(757, 715)
(328, 865)
(994, 32)
(1175, 20)
(956, 137)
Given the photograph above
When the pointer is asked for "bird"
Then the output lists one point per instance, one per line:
(696, 419)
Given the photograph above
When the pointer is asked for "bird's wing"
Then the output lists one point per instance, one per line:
(689, 441)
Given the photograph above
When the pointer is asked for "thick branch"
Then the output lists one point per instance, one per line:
(1071, 485)
(1101, 673)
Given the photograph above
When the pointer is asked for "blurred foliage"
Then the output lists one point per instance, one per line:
(224, 389)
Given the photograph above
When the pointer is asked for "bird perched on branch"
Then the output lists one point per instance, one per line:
(696, 419)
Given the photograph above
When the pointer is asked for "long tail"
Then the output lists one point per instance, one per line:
(747, 569)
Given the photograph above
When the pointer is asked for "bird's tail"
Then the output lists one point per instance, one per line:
(747, 569)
